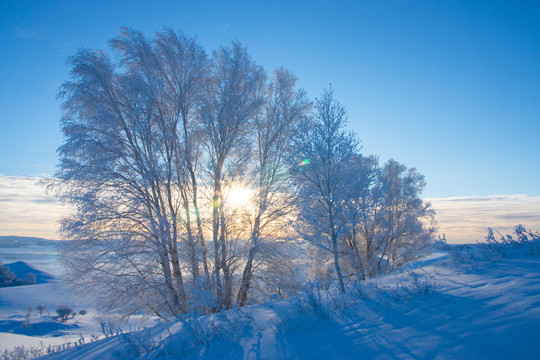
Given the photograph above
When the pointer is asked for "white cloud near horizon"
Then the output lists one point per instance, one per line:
(466, 219)
(26, 210)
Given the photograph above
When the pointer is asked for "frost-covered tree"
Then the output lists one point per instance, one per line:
(233, 99)
(392, 223)
(156, 134)
(7, 277)
(41, 309)
(325, 152)
(369, 218)
(407, 220)
(63, 312)
(284, 108)
(124, 169)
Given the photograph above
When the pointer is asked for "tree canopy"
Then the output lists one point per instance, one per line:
(159, 139)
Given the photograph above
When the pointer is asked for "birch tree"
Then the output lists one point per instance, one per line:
(284, 108)
(322, 173)
(407, 221)
(124, 167)
(156, 134)
(392, 223)
(233, 99)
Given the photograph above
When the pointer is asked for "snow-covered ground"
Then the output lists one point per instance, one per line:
(480, 308)
(18, 327)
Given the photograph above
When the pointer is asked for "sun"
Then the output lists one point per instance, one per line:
(239, 196)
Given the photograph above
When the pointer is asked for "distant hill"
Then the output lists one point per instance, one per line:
(18, 241)
(21, 269)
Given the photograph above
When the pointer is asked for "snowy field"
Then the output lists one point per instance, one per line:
(41, 331)
(474, 307)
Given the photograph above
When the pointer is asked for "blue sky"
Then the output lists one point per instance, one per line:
(449, 87)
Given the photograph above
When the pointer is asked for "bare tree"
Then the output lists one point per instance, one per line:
(155, 138)
(326, 151)
(393, 224)
(407, 221)
(284, 108)
(184, 70)
(123, 168)
(233, 99)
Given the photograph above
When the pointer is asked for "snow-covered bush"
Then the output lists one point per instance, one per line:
(523, 239)
(31, 278)
(22, 353)
(138, 343)
(226, 326)
(458, 254)
(198, 333)
(494, 246)
(420, 285)
(8, 278)
(360, 290)
(313, 302)
(64, 312)
(41, 309)
(109, 327)
(31, 352)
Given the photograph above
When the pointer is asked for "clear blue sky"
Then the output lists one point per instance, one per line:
(449, 87)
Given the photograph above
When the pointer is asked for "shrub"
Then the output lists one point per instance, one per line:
(7, 278)
(41, 309)
(28, 317)
(63, 312)
(31, 278)
(526, 240)
(83, 312)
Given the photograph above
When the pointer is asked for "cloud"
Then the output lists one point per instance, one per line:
(26, 210)
(466, 219)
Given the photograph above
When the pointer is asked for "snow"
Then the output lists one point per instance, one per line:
(44, 329)
(21, 269)
(435, 308)
(22, 255)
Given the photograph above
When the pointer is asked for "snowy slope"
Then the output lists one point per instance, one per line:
(479, 310)
(38, 256)
(21, 269)
(43, 328)
(20, 328)
(39, 253)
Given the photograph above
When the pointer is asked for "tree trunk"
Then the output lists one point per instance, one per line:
(217, 259)
(336, 260)
(248, 270)
(192, 246)
(202, 242)
(227, 280)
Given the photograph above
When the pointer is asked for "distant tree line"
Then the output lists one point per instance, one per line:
(159, 136)
(8, 278)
